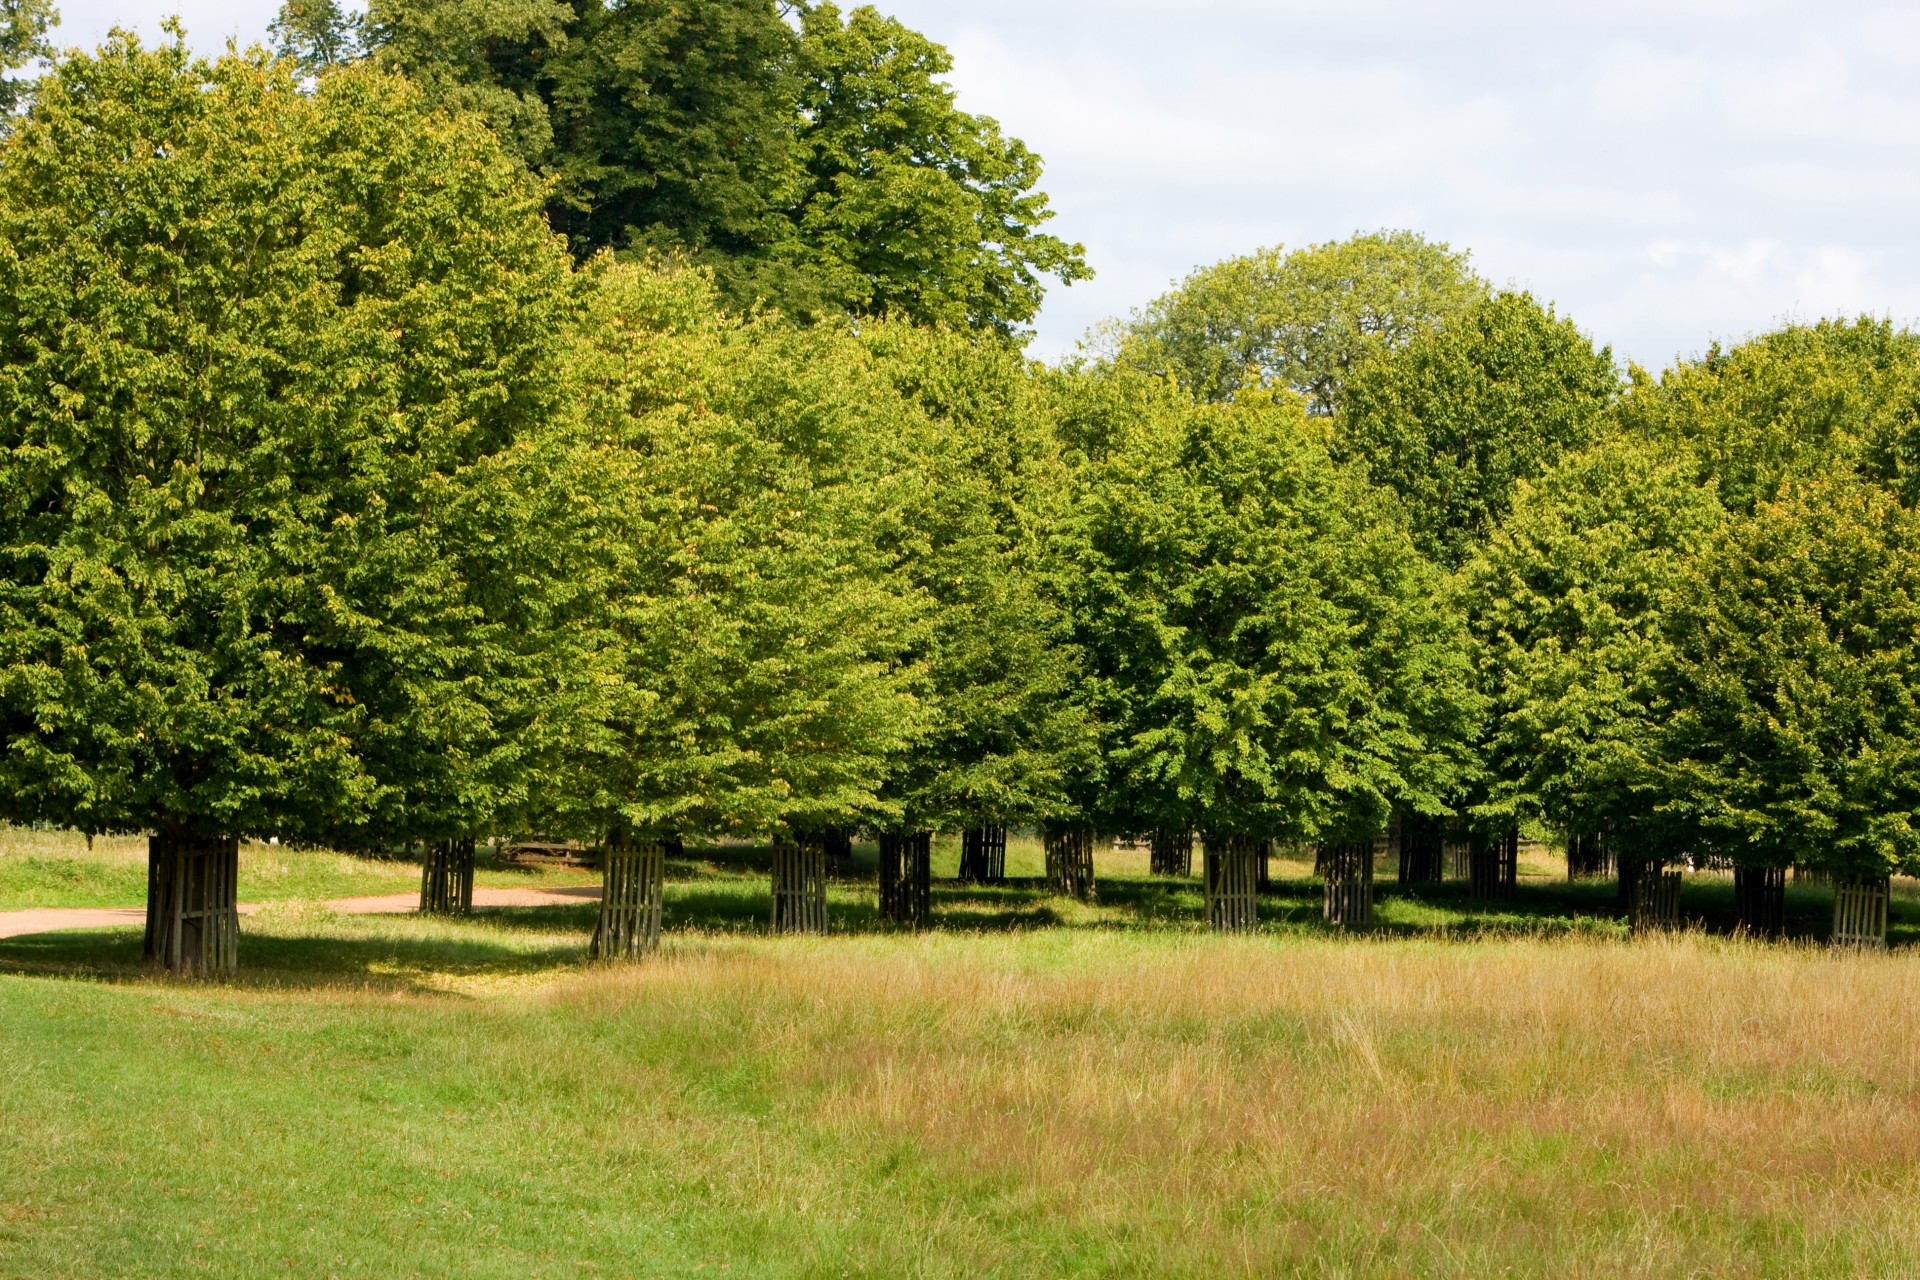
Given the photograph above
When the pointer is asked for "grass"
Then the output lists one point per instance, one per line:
(1032, 1089)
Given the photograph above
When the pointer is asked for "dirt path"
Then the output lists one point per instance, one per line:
(14, 924)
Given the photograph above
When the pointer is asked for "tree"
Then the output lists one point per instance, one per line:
(1570, 603)
(756, 671)
(1455, 417)
(816, 169)
(1270, 655)
(318, 34)
(1303, 320)
(23, 39)
(226, 592)
(1836, 397)
(1790, 726)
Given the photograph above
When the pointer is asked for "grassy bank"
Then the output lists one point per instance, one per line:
(391, 1097)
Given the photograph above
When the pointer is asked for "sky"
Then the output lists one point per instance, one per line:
(1667, 174)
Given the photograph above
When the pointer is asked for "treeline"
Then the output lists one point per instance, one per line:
(350, 494)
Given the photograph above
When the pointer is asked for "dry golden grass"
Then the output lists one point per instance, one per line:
(1675, 1107)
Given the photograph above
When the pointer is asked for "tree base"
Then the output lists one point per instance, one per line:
(983, 856)
(634, 879)
(1070, 862)
(1656, 900)
(1422, 849)
(1760, 900)
(1495, 866)
(800, 886)
(1232, 876)
(906, 878)
(193, 917)
(446, 878)
(1170, 853)
(1860, 912)
(1347, 901)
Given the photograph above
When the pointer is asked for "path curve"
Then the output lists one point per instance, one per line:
(14, 924)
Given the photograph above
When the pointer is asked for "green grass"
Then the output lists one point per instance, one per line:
(1033, 1088)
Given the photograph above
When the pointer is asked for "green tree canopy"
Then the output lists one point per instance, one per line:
(1570, 603)
(24, 25)
(257, 345)
(1303, 320)
(755, 673)
(1451, 419)
(820, 167)
(1790, 722)
(1268, 653)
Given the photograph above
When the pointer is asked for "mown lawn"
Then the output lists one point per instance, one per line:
(1034, 1088)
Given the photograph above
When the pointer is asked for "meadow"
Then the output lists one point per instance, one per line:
(1035, 1087)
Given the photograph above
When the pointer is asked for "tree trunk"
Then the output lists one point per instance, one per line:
(1348, 872)
(1588, 856)
(1495, 867)
(1422, 849)
(1070, 861)
(1456, 853)
(1760, 900)
(633, 885)
(446, 878)
(838, 843)
(193, 917)
(983, 855)
(906, 878)
(800, 886)
(1860, 912)
(1233, 883)
(1172, 852)
(1263, 867)
(1656, 898)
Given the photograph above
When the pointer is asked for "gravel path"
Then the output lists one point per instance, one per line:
(14, 924)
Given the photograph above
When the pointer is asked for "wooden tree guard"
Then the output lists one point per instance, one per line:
(1422, 848)
(1230, 868)
(1494, 865)
(193, 917)
(1263, 868)
(1821, 877)
(800, 886)
(1456, 854)
(1588, 857)
(446, 878)
(1860, 912)
(1760, 900)
(906, 878)
(1656, 899)
(1349, 883)
(983, 855)
(1171, 853)
(634, 881)
(838, 843)
(1070, 861)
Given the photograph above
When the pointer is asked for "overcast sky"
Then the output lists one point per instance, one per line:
(1667, 173)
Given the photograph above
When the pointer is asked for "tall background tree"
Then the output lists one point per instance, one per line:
(24, 26)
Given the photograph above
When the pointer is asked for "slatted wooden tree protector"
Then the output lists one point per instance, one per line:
(1860, 912)
(799, 886)
(446, 878)
(1232, 879)
(1494, 866)
(1422, 847)
(1171, 853)
(1588, 857)
(193, 917)
(1456, 856)
(1347, 901)
(1760, 900)
(1812, 876)
(983, 855)
(1069, 853)
(906, 878)
(633, 886)
(838, 843)
(1656, 899)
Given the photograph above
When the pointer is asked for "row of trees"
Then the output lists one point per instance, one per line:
(342, 499)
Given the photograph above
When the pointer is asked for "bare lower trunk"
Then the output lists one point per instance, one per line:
(1070, 861)
(1760, 900)
(446, 878)
(633, 887)
(800, 886)
(1348, 872)
(983, 855)
(906, 878)
(193, 918)
(1232, 878)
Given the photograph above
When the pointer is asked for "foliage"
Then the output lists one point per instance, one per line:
(1790, 727)
(24, 25)
(757, 641)
(816, 169)
(318, 35)
(1804, 401)
(1570, 603)
(1269, 653)
(1303, 320)
(1455, 417)
(258, 342)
